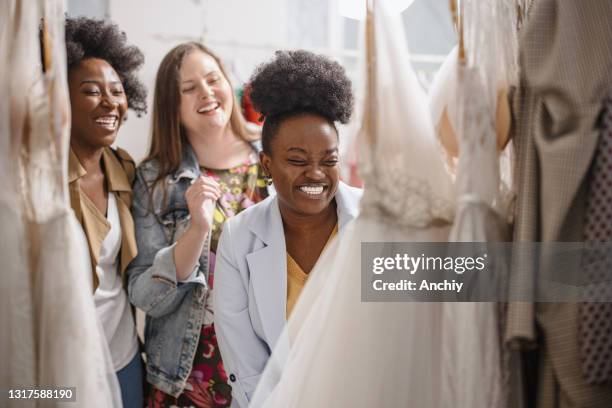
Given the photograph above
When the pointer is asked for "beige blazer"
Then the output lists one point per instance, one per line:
(119, 170)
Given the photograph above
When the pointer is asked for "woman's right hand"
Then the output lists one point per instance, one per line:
(202, 190)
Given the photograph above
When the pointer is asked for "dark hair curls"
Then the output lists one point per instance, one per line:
(92, 38)
(297, 82)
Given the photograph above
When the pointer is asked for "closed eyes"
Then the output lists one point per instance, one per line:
(297, 162)
(300, 162)
(96, 92)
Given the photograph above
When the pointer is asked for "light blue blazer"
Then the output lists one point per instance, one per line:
(250, 288)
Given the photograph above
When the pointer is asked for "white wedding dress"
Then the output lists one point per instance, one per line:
(51, 336)
(339, 351)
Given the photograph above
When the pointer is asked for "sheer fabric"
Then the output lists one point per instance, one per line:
(52, 337)
(340, 352)
(405, 178)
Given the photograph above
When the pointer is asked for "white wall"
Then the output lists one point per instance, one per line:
(88, 8)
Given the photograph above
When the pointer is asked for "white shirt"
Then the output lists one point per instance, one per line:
(110, 297)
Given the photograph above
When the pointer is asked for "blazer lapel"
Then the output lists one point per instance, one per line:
(128, 237)
(119, 183)
(347, 203)
(268, 271)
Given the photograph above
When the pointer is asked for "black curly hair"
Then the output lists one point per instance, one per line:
(92, 38)
(297, 82)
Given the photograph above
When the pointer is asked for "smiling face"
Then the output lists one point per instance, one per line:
(206, 95)
(303, 164)
(98, 103)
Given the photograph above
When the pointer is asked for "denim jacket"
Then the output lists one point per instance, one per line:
(174, 310)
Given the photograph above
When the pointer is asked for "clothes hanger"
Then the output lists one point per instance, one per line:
(369, 120)
(445, 129)
(456, 7)
(45, 46)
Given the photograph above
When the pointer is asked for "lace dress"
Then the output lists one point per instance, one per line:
(484, 196)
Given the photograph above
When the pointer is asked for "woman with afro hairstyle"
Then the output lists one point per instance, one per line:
(102, 85)
(266, 253)
(202, 168)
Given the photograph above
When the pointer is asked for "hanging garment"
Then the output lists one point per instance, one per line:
(475, 351)
(473, 104)
(52, 337)
(561, 88)
(596, 317)
(348, 353)
(17, 350)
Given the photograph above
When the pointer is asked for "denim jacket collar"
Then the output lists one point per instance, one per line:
(189, 167)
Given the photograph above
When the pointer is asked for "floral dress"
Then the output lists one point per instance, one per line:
(241, 187)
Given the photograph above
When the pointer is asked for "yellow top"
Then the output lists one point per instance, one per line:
(296, 277)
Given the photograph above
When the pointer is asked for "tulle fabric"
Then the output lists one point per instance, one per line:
(51, 334)
(402, 165)
(338, 351)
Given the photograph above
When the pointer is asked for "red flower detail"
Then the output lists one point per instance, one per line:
(200, 395)
(204, 372)
(209, 350)
(208, 331)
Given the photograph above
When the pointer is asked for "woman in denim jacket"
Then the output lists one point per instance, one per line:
(202, 168)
